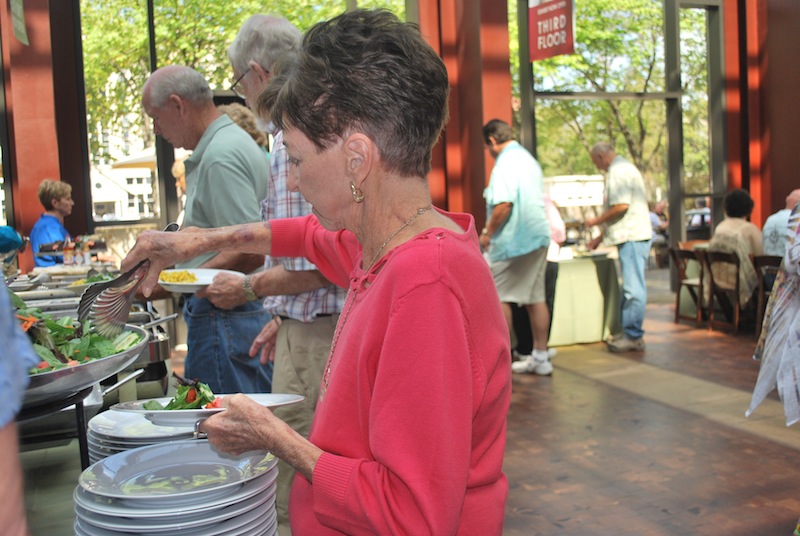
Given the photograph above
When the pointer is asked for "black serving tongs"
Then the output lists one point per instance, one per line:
(108, 304)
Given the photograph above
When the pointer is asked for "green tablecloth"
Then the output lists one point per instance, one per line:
(587, 302)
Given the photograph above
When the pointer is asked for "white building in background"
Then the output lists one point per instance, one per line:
(577, 197)
(575, 190)
(123, 194)
(3, 219)
(127, 189)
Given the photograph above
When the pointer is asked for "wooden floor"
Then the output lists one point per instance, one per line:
(652, 443)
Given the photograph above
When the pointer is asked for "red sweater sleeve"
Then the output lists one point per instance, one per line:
(334, 253)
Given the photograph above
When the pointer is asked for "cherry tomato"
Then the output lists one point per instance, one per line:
(191, 395)
(216, 403)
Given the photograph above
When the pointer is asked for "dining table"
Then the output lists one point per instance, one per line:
(586, 308)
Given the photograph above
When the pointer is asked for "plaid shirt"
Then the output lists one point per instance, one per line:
(281, 203)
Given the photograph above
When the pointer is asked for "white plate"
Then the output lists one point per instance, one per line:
(100, 453)
(249, 523)
(181, 472)
(119, 444)
(132, 509)
(188, 417)
(204, 278)
(179, 521)
(112, 425)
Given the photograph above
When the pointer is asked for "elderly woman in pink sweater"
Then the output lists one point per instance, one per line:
(409, 432)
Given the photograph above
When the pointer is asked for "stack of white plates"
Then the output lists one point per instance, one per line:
(181, 487)
(114, 431)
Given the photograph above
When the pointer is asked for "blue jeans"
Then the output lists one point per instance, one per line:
(633, 258)
(218, 343)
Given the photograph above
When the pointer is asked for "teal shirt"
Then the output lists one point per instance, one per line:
(517, 179)
(226, 178)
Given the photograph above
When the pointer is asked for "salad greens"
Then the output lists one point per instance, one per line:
(97, 278)
(65, 342)
(194, 395)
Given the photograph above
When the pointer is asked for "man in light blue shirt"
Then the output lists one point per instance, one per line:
(516, 238)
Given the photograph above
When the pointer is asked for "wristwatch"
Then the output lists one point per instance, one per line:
(249, 293)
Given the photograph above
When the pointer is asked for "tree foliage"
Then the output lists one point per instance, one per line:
(619, 48)
(116, 51)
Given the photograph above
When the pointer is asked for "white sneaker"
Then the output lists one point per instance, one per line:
(626, 344)
(533, 364)
(551, 353)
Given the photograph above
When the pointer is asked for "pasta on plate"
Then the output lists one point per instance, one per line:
(178, 276)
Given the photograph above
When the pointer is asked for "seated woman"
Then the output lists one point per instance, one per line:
(56, 198)
(736, 234)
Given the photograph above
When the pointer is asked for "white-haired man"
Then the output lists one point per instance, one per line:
(625, 223)
(226, 175)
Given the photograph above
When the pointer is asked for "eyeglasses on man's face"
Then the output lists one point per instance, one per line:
(236, 91)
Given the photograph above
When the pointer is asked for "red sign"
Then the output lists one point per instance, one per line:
(551, 27)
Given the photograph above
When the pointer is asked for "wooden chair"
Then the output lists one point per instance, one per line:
(692, 244)
(767, 268)
(724, 293)
(694, 285)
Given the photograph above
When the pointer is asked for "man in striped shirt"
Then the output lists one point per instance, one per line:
(304, 305)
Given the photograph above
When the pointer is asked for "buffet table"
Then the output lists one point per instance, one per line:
(74, 401)
(587, 301)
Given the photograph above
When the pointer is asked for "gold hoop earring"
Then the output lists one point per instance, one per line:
(358, 195)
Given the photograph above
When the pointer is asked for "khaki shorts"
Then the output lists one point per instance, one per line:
(521, 279)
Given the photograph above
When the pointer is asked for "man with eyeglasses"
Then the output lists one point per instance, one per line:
(304, 305)
(226, 175)
(237, 90)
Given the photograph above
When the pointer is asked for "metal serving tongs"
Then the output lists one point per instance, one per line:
(108, 304)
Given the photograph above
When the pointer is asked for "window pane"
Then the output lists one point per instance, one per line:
(694, 81)
(116, 54)
(114, 65)
(619, 47)
(566, 131)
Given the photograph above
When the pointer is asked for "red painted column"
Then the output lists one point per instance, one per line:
(782, 78)
(31, 113)
(454, 29)
(496, 77)
(734, 84)
(429, 22)
(759, 132)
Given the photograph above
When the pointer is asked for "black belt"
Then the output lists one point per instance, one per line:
(323, 315)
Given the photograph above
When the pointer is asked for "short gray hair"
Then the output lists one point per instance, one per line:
(263, 39)
(178, 80)
(601, 148)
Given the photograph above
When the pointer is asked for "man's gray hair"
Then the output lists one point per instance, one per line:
(263, 39)
(602, 148)
(182, 81)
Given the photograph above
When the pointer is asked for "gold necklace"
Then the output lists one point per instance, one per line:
(350, 299)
